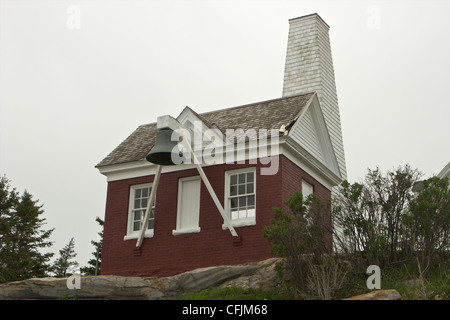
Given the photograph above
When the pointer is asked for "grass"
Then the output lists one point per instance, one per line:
(233, 293)
(411, 286)
(65, 296)
(405, 279)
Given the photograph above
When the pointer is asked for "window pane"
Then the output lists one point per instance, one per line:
(137, 193)
(233, 191)
(251, 200)
(242, 202)
(234, 203)
(152, 213)
(242, 195)
(151, 223)
(139, 205)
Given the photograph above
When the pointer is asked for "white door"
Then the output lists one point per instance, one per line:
(188, 205)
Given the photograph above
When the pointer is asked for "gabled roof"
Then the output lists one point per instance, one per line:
(268, 115)
(310, 132)
(445, 172)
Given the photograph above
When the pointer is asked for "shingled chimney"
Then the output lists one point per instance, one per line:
(309, 67)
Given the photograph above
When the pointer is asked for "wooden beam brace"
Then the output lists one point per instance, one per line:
(150, 203)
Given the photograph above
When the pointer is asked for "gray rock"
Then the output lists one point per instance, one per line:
(257, 275)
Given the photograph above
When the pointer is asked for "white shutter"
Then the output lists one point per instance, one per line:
(307, 189)
(188, 205)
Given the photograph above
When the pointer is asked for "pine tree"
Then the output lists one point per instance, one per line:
(92, 263)
(63, 265)
(22, 236)
(8, 199)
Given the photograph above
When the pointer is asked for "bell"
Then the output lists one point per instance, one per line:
(162, 152)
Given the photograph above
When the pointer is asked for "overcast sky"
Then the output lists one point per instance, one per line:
(77, 77)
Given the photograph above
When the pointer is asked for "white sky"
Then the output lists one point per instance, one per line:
(68, 97)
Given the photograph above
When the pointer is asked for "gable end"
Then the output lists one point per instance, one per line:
(311, 133)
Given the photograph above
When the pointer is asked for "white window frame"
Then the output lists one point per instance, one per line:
(239, 222)
(178, 230)
(131, 234)
(306, 184)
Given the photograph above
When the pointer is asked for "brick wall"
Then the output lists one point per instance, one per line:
(165, 254)
(292, 183)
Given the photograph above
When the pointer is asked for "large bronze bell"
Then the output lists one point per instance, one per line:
(163, 149)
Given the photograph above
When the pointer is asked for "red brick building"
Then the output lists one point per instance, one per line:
(185, 230)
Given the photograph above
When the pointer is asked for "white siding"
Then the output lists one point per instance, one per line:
(305, 135)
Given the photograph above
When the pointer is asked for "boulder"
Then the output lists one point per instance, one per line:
(257, 275)
(378, 295)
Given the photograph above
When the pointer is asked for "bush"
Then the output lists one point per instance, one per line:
(303, 236)
(379, 221)
(382, 221)
(368, 216)
(427, 224)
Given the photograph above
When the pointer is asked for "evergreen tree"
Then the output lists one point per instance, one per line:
(64, 263)
(22, 236)
(8, 199)
(92, 263)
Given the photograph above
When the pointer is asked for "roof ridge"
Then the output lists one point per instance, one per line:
(259, 102)
(235, 107)
(208, 124)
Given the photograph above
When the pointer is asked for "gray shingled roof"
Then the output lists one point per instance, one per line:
(268, 115)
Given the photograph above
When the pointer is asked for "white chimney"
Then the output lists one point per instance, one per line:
(309, 67)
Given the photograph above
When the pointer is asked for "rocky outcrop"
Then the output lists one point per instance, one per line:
(378, 295)
(256, 275)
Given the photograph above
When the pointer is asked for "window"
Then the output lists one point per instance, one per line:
(307, 189)
(139, 196)
(240, 193)
(188, 206)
